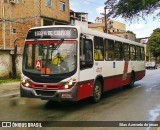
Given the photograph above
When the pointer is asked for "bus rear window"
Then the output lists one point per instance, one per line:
(53, 33)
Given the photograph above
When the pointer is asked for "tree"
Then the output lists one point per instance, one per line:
(130, 9)
(154, 43)
(130, 32)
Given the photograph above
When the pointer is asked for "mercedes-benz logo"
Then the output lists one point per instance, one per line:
(44, 86)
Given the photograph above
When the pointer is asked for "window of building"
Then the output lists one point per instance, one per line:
(126, 52)
(98, 48)
(109, 49)
(47, 22)
(62, 6)
(13, 1)
(132, 52)
(48, 3)
(13, 31)
(118, 48)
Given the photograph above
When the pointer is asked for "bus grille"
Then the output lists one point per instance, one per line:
(48, 87)
(45, 93)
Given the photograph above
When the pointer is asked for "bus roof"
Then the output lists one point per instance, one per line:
(109, 36)
(94, 33)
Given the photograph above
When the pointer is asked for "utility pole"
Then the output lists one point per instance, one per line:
(107, 25)
(105, 19)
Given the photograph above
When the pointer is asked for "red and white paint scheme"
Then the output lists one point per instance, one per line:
(72, 63)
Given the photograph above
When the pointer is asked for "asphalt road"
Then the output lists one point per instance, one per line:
(141, 103)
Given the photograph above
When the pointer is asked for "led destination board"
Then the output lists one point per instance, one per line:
(53, 33)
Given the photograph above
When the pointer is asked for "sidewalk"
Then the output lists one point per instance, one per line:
(9, 87)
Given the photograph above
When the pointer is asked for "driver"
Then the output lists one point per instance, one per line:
(57, 59)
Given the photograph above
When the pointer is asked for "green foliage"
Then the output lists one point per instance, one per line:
(130, 32)
(5, 80)
(154, 43)
(130, 9)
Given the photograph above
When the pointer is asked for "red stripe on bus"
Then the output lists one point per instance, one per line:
(85, 88)
(50, 42)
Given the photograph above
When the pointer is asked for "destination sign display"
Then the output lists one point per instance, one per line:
(53, 33)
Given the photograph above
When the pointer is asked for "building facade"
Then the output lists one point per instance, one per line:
(79, 18)
(17, 16)
(113, 27)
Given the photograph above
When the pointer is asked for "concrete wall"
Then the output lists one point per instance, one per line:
(18, 65)
(6, 64)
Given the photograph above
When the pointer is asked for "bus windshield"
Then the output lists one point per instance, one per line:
(50, 57)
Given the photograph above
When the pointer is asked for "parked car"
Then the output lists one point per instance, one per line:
(151, 65)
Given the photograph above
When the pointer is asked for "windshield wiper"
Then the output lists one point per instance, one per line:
(59, 43)
(41, 48)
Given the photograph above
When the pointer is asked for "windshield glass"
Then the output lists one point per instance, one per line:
(50, 57)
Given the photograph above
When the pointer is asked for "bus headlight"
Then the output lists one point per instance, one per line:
(25, 81)
(68, 84)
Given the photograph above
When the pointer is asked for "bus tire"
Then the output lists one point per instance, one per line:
(132, 80)
(97, 91)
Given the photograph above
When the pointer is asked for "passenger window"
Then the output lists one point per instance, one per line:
(142, 53)
(109, 49)
(118, 48)
(86, 53)
(98, 48)
(138, 53)
(132, 52)
(126, 52)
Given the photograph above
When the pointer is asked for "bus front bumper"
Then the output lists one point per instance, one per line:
(53, 95)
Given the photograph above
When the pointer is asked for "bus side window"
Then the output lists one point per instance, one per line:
(142, 53)
(118, 51)
(138, 53)
(86, 53)
(98, 48)
(126, 51)
(109, 49)
(132, 52)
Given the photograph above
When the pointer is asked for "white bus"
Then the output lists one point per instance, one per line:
(72, 63)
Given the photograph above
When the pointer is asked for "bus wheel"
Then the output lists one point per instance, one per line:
(132, 80)
(97, 92)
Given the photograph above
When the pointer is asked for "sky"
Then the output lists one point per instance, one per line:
(94, 7)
